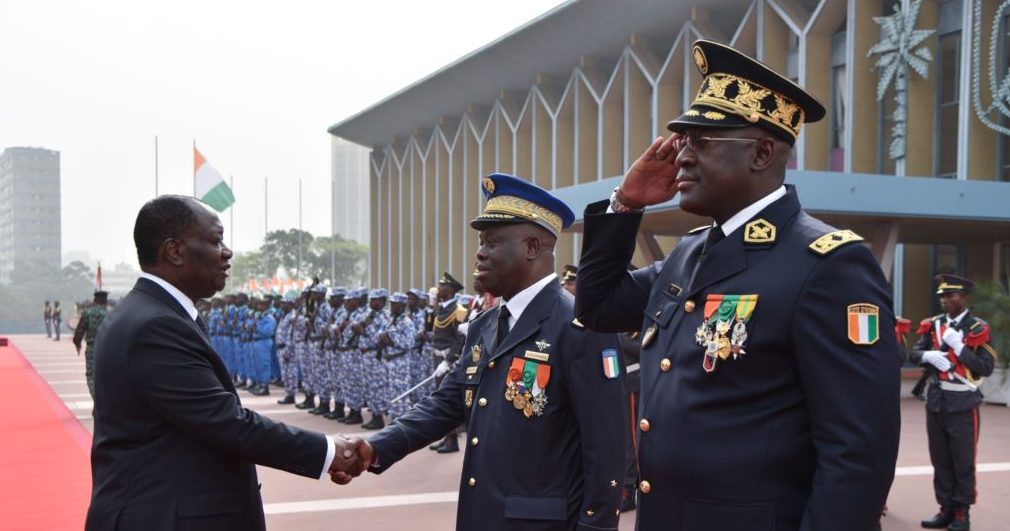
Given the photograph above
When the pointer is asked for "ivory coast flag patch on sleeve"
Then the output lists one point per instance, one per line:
(864, 323)
(611, 369)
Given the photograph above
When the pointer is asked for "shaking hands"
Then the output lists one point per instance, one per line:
(353, 457)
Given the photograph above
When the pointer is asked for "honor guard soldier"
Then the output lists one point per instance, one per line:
(954, 347)
(398, 342)
(47, 316)
(372, 369)
(446, 341)
(332, 355)
(301, 338)
(317, 359)
(420, 361)
(769, 372)
(57, 319)
(543, 399)
(261, 346)
(87, 329)
(354, 382)
(286, 350)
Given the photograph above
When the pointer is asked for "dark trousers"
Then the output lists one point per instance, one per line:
(953, 439)
(631, 474)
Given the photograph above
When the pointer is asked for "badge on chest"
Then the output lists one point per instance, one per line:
(526, 384)
(723, 333)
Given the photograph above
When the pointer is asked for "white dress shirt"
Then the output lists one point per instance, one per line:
(737, 220)
(518, 303)
(187, 304)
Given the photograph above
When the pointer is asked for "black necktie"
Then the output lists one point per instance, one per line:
(714, 236)
(202, 325)
(503, 324)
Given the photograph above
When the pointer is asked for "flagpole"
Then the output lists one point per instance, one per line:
(333, 234)
(155, 165)
(299, 227)
(231, 214)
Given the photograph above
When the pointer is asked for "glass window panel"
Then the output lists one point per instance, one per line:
(947, 145)
(950, 65)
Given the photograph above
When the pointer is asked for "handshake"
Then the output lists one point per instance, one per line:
(353, 456)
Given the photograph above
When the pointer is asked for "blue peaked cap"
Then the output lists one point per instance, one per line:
(514, 200)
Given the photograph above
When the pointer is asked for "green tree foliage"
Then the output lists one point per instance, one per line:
(322, 256)
(32, 283)
(991, 302)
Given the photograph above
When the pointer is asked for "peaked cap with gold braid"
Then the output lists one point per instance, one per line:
(738, 91)
(514, 200)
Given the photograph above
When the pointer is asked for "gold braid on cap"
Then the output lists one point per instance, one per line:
(751, 101)
(519, 207)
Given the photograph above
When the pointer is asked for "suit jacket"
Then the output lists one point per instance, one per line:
(798, 431)
(561, 469)
(173, 447)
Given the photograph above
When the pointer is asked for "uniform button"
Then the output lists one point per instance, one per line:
(665, 364)
(658, 313)
(589, 512)
(490, 365)
(473, 442)
(645, 487)
(689, 306)
(644, 424)
(482, 402)
(473, 481)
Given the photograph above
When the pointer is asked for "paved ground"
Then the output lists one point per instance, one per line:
(420, 492)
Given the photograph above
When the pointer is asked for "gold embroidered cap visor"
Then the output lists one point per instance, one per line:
(738, 91)
(947, 283)
(514, 200)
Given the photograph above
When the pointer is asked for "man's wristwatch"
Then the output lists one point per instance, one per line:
(621, 208)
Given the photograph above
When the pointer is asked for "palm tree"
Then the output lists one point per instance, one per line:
(898, 51)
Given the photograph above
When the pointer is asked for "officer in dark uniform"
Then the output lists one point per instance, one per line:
(543, 398)
(446, 342)
(954, 347)
(770, 379)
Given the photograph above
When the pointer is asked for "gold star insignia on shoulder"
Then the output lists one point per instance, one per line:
(759, 231)
(833, 240)
(542, 344)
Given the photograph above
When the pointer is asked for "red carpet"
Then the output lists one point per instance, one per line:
(45, 469)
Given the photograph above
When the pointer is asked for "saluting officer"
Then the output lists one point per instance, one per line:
(543, 398)
(954, 347)
(769, 372)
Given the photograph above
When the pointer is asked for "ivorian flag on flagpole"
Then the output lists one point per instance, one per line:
(98, 278)
(208, 185)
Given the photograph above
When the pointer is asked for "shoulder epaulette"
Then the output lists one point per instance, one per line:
(833, 240)
(696, 230)
(578, 324)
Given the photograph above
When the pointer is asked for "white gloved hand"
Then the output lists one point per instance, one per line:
(937, 359)
(442, 369)
(954, 339)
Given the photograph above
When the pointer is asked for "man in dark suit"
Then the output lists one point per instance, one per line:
(173, 447)
(770, 376)
(542, 398)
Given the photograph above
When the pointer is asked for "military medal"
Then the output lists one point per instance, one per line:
(519, 402)
(475, 354)
(724, 329)
(538, 400)
(468, 398)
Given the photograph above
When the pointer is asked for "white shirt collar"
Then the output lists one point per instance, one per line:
(447, 302)
(518, 303)
(741, 217)
(179, 296)
(959, 317)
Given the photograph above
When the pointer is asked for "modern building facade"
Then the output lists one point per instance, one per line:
(572, 98)
(350, 175)
(30, 232)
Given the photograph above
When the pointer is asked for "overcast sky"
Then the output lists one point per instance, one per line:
(255, 84)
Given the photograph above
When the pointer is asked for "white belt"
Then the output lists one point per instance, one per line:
(955, 386)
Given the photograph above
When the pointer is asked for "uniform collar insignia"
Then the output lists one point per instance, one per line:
(759, 231)
(543, 345)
